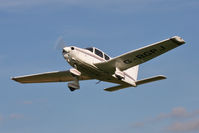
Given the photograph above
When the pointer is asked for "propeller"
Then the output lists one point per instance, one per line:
(60, 43)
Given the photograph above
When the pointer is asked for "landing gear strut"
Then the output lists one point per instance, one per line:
(74, 85)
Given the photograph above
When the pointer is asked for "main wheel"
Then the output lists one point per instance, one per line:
(72, 89)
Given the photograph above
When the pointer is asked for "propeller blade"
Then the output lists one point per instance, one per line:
(60, 43)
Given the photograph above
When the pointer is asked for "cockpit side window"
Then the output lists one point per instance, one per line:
(99, 53)
(90, 49)
(106, 57)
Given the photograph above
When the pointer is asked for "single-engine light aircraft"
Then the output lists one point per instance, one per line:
(91, 63)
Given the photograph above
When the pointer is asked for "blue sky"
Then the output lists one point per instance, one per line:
(29, 30)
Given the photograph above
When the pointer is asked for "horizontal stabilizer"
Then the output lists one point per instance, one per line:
(115, 88)
(152, 79)
(139, 82)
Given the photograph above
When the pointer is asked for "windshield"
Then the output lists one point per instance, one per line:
(90, 49)
(98, 53)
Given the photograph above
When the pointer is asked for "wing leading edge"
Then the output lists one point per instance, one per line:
(56, 76)
(140, 55)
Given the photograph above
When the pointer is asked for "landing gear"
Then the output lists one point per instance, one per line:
(72, 89)
(74, 85)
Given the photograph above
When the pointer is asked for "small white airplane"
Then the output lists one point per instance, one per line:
(92, 63)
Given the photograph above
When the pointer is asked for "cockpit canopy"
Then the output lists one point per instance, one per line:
(98, 53)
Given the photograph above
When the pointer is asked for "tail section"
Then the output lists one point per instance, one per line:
(139, 82)
(131, 75)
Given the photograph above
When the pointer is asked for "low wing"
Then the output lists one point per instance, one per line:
(141, 55)
(57, 76)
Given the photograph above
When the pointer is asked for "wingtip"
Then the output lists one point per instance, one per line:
(178, 40)
(107, 90)
(162, 76)
(14, 78)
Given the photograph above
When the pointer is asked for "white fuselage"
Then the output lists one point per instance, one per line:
(83, 60)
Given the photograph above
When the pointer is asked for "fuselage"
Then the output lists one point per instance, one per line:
(84, 60)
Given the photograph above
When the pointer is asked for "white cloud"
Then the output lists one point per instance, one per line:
(114, 5)
(184, 126)
(13, 116)
(19, 3)
(16, 116)
(27, 102)
(177, 113)
(138, 124)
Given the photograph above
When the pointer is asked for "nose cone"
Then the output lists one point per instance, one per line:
(66, 50)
